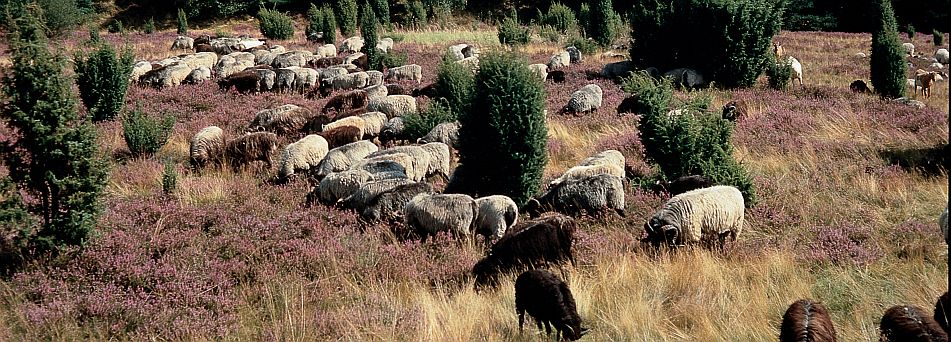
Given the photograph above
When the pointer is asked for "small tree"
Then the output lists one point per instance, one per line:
(511, 33)
(455, 84)
(169, 178)
(370, 38)
(275, 25)
(560, 17)
(145, 135)
(182, 22)
(887, 62)
(419, 124)
(584, 19)
(937, 37)
(503, 137)
(417, 15)
(116, 26)
(382, 10)
(103, 78)
(330, 25)
(778, 73)
(602, 21)
(315, 23)
(54, 158)
(346, 12)
(149, 26)
(910, 31)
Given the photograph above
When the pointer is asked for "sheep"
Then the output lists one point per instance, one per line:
(455, 52)
(557, 76)
(367, 191)
(446, 133)
(559, 60)
(549, 301)
(342, 135)
(412, 72)
(428, 91)
(398, 89)
(540, 69)
(183, 43)
(593, 194)
(859, 86)
(203, 39)
(346, 101)
(909, 323)
(393, 105)
(419, 160)
(326, 51)
(206, 146)
(244, 82)
(349, 81)
(574, 54)
(941, 314)
(941, 56)
(198, 75)
(351, 45)
(389, 204)
(349, 59)
(330, 72)
(325, 62)
(685, 77)
(139, 69)
(392, 162)
(584, 100)
(266, 77)
(292, 58)
(698, 216)
(285, 79)
(683, 184)
(734, 110)
(283, 120)
(302, 155)
(385, 44)
(470, 51)
(496, 214)
(377, 91)
(167, 76)
(430, 214)
(806, 321)
(628, 105)
(924, 79)
(250, 147)
(909, 48)
(376, 78)
(529, 244)
(361, 62)
(439, 156)
(340, 158)
(339, 185)
(606, 157)
(778, 50)
(582, 171)
(373, 124)
(796, 68)
(943, 224)
(617, 69)
(393, 130)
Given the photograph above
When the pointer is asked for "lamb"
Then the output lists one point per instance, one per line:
(496, 214)
(943, 224)
(354, 121)
(807, 321)
(924, 79)
(393, 105)
(592, 194)
(393, 130)
(284, 120)
(529, 244)
(369, 190)
(683, 184)
(419, 161)
(349, 81)
(398, 89)
(250, 147)
(941, 314)
(557, 76)
(339, 185)
(326, 51)
(302, 155)
(446, 133)
(909, 49)
(385, 44)
(346, 101)
(412, 72)
(584, 100)
(941, 56)
(373, 124)
(549, 301)
(430, 214)
(342, 135)
(909, 323)
(559, 60)
(582, 171)
(797, 69)
(206, 146)
(698, 216)
(340, 158)
(540, 69)
(389, 204)
(859, 86)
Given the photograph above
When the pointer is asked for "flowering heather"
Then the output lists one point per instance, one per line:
(840, 244)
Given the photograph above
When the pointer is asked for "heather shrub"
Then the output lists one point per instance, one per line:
(735, 37)
(144, 135)
(103, 79)
(169, 178)
(778, 73)
(330, 25)
(275, 25)
(417, 15)
(182, 21)
(937, 37)
(346, 13)
(53, 160)
(503, 135)
(603, 23)
(456, 85)
(910, 31)
(559, 17)
(315, 23)
(419, 124)
(149, 26)
(688, 143)
(511, 33)
(370, 36)
(887, 61)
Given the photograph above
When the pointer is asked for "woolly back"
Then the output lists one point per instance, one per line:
(942, 312)
(910, 323)
(806, 320)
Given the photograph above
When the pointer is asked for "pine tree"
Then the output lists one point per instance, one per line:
(182, 22)
(382, 9)
(315, 22)
(103, 78)
(887, 62)
(370, 38)
(603, 28)
(346, 12)
(330, 25)
(54, 159)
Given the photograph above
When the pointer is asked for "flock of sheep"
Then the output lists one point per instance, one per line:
(346, 151)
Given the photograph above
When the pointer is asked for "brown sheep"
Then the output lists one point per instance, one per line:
(246, 81)
(354, 99)
(325, 62)
(909, 323)
(806, 320)
(528, 244)
(361, 62)
(427, 91)
(342, 135)
(398, 89)
(547, 299)
(203, 39)
(203, 48)
(778, 50)
(257, 146)
(941, 311)
(924, 79)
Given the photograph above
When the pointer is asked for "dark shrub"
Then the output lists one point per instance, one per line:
(368, 31)
(561, 18)
(777, 73)
(330, 25)
(417, 125)
(937, 37)
(103, 78)
(145, 135)
(275, 25)
(182, 21)
(346, 13)
(887, 62)
(511, 33)
(603, 23)
(456, 85)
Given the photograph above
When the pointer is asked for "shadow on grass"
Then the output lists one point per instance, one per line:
(931, 161)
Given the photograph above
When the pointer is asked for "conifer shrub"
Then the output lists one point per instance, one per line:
(346, 14)
(103, 79)
(330, 25)
(275, 25)
(371, 38)
(511, 33)
(417, 125)
(603, 23)
(887, 60)
(182, 22)
(455, 84)
(778, 73)
(145, 135)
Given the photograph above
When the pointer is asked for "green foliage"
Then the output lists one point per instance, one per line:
(54, 159)
(910, 31)
(417, 125)
(887, 61)
(584, 19)
(686, 144)
(586, 46)
(346, 12)
(275, 25)
(417, 15)
(368, 31)
(149, 26)
(561, 18)
(603, 23)
(330, 25)
(221, 33)
(726, 41)
(549, 34)
(937, 37)
(169, 178)
(94, 37)
(778, 73)
(116, 27)
(145, 135)
(61, 16)
(503, 135)
(382, 10)
(102, 79)
(182, 21)
(511, 33)
(391, 59)
(315, 23)
(455, 84)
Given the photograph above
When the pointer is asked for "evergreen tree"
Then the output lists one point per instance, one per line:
(382, 9)
(54, 159)
(368, 32)
(103, 78)
(330, 25)
(315, 23)
(346, 13)
(887, 62)
(602, 23)
(182, 22)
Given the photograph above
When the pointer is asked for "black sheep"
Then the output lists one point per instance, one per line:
(941, 311)
(549, 301)
(427, 91)
(910, 323)
(859, 86)
(246, 81)
(557, 76)
(529, 244)
(628, 105)
(683, 184)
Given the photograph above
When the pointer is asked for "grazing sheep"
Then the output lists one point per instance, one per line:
(348, 81)
(376, 91)
(250, 147)
(909, 323)
(455, 51)
(941, 56)
(340, 158)
(628, 105)
(707, 215)
(924, 79)
(559, 60)
(541, 70)
(393, 130)
(430, 214)
(796, 68)
(557, 76)
(168, 76)
(778, 50)
(574, 54)
(284, 120)
(549, 301)
(412, 72)
(206, 146)
(941, 311)
(351, 45)
(419, 160)
(203, 39)
(389, 204)
(385, 44)
(266, 76)
(686, 77)
(228, 65)
(198, 75)
(470, 51)
(369, 190)
(373, 124)
(617, 69)
(683, 184)
(317, 122)
(496, 214)
(592, 194)
(391, 162)
(346, 101)
(393, 105)
(183, 43)
(302, 155)
(339, 185)
(342, 135)
(351, 58)
(361, 62)
(205, 60)
(243, 82)
(582, 171)
(292, 59)
(606, 157)
(325, 62)
(446, 133)
(909, 48)
(439, 156)
(398, 89)
(529, 244)
(139, 69)
(376, 78)
(859, 86)
(428, 91)
(326, 51)
(943, 224)
(584, 100)
(806, 321)
(285, 79)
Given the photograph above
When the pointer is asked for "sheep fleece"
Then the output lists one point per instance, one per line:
(705, 213)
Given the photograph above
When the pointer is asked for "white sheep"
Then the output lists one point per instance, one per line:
(351, 58)
(419, 159)
(429, 214)
(263, 57)
(376, 91)
(376, 78)
(340, 158)
(391, 162)
(302, 155)
(439, 156)
(183, 43)
(539, 69)
(582, 171)
(349, 81)
(909, 48)
(796, 68)
(373, 123)
(393, 105)
(292, 58)
(367, 191)
(385, 44)
(407, 72)
(206, 146)
(326, 50)
(140, 68)
(446, 133)
(496, 214)
(941, 56)
(705, 215)
(351, 45)
(331, 72)
(560, 60)
(612, 157)
(342, 184)
(354, 121)
(584, 100)
(593, 194)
